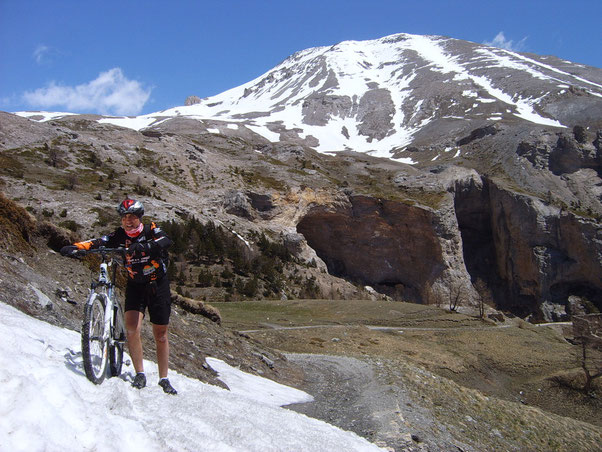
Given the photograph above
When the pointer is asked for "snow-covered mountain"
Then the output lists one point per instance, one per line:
(383, 95)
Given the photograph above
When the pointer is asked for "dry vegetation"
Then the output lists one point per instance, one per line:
(472, 374)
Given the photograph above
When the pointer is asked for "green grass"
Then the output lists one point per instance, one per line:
(251, 314)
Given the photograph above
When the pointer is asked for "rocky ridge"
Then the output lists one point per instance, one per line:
(389, 96)
(411, 232)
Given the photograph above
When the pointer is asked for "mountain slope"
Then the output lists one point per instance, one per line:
(505, 188)
(505, 148)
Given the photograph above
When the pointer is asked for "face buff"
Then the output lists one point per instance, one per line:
(135, 232)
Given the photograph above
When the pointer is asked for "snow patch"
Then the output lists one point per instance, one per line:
(46, 115)
(257, 388)
(48, 404)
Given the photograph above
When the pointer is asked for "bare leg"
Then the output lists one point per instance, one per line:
(162, 342)
(133, 325)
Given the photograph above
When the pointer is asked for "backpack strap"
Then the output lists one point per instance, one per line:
(148, 230)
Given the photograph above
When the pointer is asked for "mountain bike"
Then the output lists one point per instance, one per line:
(103, 332)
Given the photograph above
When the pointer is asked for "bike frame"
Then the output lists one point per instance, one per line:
(109, 283)
(103, 280)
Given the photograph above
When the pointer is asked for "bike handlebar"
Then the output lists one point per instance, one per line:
(101, 250)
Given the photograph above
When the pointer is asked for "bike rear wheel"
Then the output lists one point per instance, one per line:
(116, 359)
(94, 344)
(116, 350)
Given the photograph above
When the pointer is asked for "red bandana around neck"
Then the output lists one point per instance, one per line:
(134, 232)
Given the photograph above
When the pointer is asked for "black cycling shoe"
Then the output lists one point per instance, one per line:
(139, 380)
(167, 387)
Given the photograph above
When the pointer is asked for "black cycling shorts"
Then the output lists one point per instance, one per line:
(155, 296)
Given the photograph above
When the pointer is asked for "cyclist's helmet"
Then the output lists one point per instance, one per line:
(131, 206)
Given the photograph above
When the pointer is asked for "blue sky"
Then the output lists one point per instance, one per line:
(136, 57)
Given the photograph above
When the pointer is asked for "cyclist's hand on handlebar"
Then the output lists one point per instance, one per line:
(138, 250)
(69, 250)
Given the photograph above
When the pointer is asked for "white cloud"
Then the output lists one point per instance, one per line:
(508, 44)
(110, 93)
(40, 52)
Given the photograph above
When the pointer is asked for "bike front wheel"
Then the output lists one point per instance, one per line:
(94, 340)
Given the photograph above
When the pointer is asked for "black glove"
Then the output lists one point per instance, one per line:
(69, 250)
(138, 250)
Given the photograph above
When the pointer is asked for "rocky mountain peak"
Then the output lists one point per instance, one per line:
(383, 95)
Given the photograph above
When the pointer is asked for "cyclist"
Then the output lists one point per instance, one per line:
(147, 287)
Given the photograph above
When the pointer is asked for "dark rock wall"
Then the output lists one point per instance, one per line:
(389, 245)
(528, 252)
(473, 211)
(544, 254)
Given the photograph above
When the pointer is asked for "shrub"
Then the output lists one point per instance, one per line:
(56, 237)
(16, 225)
(70, 182)
(580, 134)
(70, 224)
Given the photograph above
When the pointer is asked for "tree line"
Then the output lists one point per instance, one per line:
(251, 269)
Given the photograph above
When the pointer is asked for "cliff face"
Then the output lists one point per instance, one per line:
(533, 254)
(392, 246)
(544, 254)
(520, 210)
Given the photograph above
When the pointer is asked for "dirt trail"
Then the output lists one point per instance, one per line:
(352, 394)
(274, 326)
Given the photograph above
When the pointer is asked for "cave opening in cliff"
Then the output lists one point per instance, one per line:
(473, 213)
(378, 243)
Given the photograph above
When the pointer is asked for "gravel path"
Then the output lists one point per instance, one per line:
(355, 395)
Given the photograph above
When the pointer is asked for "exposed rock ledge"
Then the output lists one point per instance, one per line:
(530, 252)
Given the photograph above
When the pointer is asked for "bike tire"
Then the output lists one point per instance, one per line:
(94, 348)
(116, 350)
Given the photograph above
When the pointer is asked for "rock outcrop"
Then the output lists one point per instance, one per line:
(192, 100)
(400, 249)
(532, 252)
(544, 254)
(535, 255)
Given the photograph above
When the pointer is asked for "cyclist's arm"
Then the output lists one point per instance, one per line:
(160, 238)
(88, 244)
(109, 241)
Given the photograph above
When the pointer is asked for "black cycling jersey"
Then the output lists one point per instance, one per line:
(150, 264)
